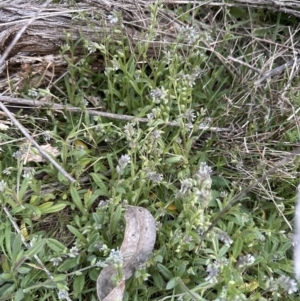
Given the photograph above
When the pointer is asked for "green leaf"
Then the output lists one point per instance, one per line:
(116, 215)
(237, 12)
(102, 192)
(37, 247)
(158, 258)
(6, 289)
(237, 247)
(50, 284)
(51, 209)
(93, 274)
(60, 278)
(19, 295)
(23, 270)
(16, 247)
(220, 181)
(223, 251)
(45, 206)
(94, 239)
(181, 269)
(23, 189)
(77, 233)
(110, 162)
(76, 199)
(136, 88)
(8, 236)
(5, 264)
(171, 283)
(99, 180)
(55, 245)
(34, 209)
(174, 159)
(165, 271)
(68, 264)
(121, 190)
(7, 276)
(78, 284)
(97, 218)
(158, 280)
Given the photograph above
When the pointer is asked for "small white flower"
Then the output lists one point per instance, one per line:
(3, 127)
(56, 261)
(190, 115)
(153, 176)
(204, 171)
(115, 65)
(113, 18)
(100, 264)
(103, 247)
(28, 173)
(129, 130)
(74, 252)
(91, 47)
(153, 114)
(186, 185)
(189, 34)
(7, 171)
(246, 260)
(33, 93)
(158, 95)
(213, 270)
(47, 136)
(224, 237)
(2, 186)
(156, 134)
(102, 203)
(62, 294)
(17, 155)
(115, 257)
(123, 162)
(288, 284)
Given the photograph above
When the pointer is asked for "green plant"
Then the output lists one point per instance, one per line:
(210, 131)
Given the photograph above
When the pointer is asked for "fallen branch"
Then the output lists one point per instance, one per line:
(57, 107)
(74, 25)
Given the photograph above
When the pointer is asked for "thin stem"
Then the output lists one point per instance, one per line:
(58, 107)
(32, 141)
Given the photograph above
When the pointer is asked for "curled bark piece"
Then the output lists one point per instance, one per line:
(138, 243)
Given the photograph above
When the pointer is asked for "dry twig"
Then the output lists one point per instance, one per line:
(57, 107)
(260, 180)
(42, 152)
(277, 70)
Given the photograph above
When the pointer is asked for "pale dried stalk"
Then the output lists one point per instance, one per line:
(41, 151)
(277, 71)
(236, 198)
(57, 107)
